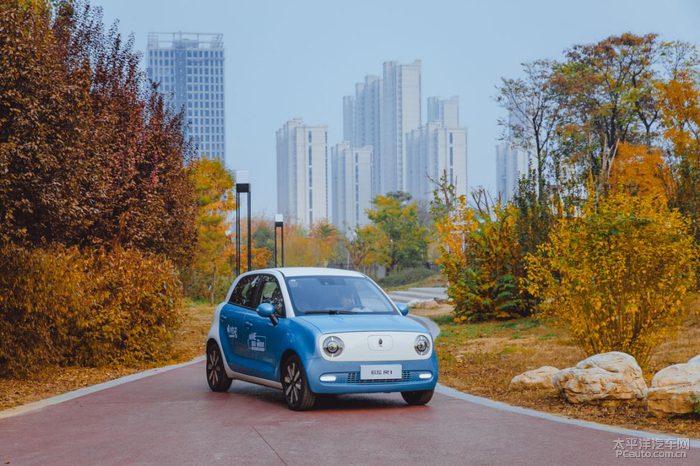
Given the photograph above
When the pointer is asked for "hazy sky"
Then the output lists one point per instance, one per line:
(287, 59)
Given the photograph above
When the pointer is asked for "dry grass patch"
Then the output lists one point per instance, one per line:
(55, 381)
(481, 359)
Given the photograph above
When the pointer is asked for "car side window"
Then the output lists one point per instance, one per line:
(272, 293)
(244, 293)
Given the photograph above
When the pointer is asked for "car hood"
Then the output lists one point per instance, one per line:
(359, 323)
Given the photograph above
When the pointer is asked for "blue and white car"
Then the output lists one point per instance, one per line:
(312, 331)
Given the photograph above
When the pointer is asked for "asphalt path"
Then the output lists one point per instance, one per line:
(172, 418)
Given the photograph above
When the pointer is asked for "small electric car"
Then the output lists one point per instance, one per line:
(312, 331)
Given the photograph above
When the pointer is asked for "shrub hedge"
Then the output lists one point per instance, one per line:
(64, 306)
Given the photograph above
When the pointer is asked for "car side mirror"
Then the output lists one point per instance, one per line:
(403, 308)
(267, 310)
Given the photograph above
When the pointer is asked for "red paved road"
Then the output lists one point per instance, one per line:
(172, 418)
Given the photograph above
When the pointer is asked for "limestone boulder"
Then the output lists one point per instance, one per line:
(675, 390)
(609, 377)
(695, 360)
(538, 379)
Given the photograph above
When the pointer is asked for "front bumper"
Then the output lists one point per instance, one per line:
(348, 380)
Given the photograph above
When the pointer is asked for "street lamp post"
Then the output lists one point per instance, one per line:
(279, 222)
(242, 186)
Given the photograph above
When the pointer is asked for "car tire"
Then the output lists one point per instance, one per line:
(217, 378)
(295, 385)
(418, 398)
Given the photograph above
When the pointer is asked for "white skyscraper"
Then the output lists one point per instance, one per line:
(446, 110)
(351, 185)
(436, 149)
(361, 122)
(400, 114)
(190, 69)
(302, 172)
(512, 162)
(348, 117)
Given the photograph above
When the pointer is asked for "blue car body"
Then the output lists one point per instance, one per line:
(254, 347)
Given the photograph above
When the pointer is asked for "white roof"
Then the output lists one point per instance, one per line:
(306, 271)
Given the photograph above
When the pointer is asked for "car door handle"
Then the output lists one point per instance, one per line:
(222, 318)
(248, 324)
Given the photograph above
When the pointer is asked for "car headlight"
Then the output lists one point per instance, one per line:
(422, 345)
(333, 346)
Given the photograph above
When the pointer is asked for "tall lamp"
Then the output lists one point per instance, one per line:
(242, 186)
(279, 223)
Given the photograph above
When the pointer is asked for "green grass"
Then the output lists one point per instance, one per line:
(406, 278)
(443, 320)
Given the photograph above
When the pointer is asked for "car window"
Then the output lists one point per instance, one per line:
(244, 293)
(346, 295)
(272, 293)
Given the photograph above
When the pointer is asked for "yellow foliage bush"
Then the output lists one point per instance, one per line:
(63, 306)
(482, 261)
(617, 274)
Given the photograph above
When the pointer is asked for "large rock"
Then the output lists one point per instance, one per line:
(609, 377)
(695, 360)
(538, 379)
(673, 390)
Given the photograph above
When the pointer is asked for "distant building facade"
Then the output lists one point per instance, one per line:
(446, 111)
(190, 69)
(437, 149)
(401, 114)
(380, 114)
(512, 162)
(361, 122)
(302, 172)
(351, 180)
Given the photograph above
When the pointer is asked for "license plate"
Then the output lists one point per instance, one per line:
(380, 371)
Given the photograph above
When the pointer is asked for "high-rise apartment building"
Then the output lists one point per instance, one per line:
(400, 114)
(437, 149)
(190, 69)
(383, 111)
(512, 161)
(446, 110)
(351, 185)
(511, 164)
(302, 172)
(361, 122)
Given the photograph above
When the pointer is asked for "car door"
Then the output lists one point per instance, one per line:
(232, 319)
(264, 338)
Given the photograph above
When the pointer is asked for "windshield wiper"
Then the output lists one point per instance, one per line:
(329, 311)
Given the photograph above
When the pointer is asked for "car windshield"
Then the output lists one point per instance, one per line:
(317, 295)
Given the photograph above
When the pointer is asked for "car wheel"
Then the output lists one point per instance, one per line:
(417, 398)
(217, 378)
(296, 388)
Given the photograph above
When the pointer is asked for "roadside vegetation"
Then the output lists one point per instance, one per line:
(602, 234)
(45, 382)
(482, 358)
(598, 249)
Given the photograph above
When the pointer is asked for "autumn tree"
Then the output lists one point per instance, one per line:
(44, 129)
(534, 117)
(607, 99)
(641, 171)
(211, 269)
(680, 111)
(91, 154)
(360, 244)
(401, 241)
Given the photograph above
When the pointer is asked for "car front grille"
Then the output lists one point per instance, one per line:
(353, 378)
